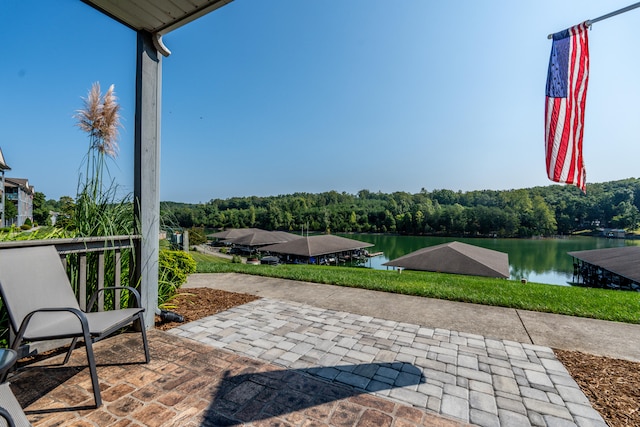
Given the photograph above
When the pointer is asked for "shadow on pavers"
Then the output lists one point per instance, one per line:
(255, 396)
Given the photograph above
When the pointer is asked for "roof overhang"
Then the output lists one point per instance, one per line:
(3, 164)
(157, 17)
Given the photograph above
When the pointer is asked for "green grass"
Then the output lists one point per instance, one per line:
(621, 306)
(203, 259)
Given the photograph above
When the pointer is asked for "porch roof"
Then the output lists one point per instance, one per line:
(156, 16)
(3, 164)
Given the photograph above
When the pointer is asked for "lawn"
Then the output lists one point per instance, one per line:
(621, 306)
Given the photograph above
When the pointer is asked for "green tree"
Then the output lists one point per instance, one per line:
(327, 221)
(626, 216)
(544, 221)
(41, 209)
(274, 217)
(10, 210)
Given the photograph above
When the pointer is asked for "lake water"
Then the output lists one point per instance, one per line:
(537, 260)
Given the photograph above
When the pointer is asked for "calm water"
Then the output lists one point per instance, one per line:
(537, 260)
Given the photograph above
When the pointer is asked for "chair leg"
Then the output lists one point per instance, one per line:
(71, 347)
(145, 343)
(16, 347)
(92, 369)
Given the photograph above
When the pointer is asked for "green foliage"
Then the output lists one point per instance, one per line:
(25, 227)
(197, 236)
(236, 259)
(174, 267)
(538, 211)
(106, 214)
(13, 233)
(98, 209)
(10, 209)
(41, 208)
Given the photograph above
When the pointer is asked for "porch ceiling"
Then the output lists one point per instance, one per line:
(156, 16)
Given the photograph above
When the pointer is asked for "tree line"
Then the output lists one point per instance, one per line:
(537, 211)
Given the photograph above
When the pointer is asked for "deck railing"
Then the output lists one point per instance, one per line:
(90, 260)
(82, 247)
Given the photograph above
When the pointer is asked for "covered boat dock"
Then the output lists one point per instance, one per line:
(456, 258)
(322, 249)
(249, 240)
(613, 268)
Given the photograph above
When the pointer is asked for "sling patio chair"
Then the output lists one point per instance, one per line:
(11, 413)
(42, 305)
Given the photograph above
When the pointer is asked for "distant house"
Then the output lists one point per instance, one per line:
(20, 193)
(614, 233)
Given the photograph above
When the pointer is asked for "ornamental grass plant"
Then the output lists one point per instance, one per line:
(100, 209)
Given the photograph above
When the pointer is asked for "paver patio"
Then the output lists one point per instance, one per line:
(191, 384)
(279, 362)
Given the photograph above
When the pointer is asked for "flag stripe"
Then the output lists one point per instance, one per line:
(565, 106)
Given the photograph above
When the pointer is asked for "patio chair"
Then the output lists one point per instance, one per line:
(11, 413)
(42, 306)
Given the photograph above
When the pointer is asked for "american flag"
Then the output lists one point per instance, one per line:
(567, 81)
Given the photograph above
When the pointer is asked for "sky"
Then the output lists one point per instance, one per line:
(274, 97)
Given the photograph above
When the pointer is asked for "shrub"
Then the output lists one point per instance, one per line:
(28, 222)
(174, 267)
(236, 259)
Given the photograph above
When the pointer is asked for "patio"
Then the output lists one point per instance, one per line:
(191, 384)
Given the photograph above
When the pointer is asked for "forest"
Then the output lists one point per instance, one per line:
(538, 211)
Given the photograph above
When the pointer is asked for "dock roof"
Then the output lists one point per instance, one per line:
(457, 258)
(623, 261)
(317, 245)
(263, 237)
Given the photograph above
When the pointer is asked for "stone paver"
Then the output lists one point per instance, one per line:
(487, 382)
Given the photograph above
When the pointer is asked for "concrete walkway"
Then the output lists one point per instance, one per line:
(481, 365)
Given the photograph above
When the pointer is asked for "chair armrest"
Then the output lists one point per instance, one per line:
(94, 297)
(7, 417)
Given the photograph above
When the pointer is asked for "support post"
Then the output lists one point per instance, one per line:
(2, 195)
(185, 241)
(147, 171)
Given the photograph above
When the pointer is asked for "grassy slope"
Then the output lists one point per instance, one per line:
(622, 306)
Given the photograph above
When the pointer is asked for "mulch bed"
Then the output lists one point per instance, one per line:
(196, 303)
(612, 385)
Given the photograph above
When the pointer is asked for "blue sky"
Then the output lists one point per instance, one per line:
(281, 96)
